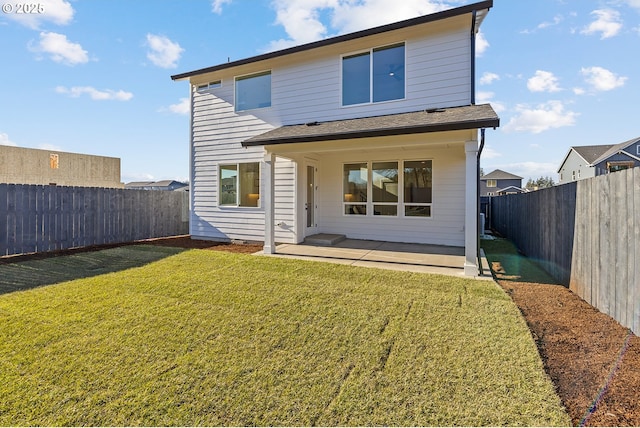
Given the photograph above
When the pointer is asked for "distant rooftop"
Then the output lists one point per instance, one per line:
(499, 174)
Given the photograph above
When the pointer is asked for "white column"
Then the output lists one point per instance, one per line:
(268, 202)
(471, 209)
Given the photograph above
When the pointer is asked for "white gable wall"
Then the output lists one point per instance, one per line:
(575, 163)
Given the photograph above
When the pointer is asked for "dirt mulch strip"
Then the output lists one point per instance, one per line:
(593, 361)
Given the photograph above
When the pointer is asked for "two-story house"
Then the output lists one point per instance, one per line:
(499, 182)
(591, 161)
(373, 135)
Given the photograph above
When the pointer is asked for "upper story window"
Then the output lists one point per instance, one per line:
(492, 183)
(253, 91)
(209, 85)
(373, 76)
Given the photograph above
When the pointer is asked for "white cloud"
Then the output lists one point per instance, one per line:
(183, 107)
(556, 20)
(60, 49)
(481, 44)
(301, 19)
(600, 79)
(49, 146)
(128, 177)
(488, 78)
(58, 12)
(216, 5)
(94, 93)
(579, 91)
(608, 23)
(541, 118)
(484, 97)
(532, 170)
(490, 153)
(633, 3)
(5, 141)
(163, 52)
(543, 81)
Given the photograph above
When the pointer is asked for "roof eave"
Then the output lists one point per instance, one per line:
(458, 126)
(449, 13)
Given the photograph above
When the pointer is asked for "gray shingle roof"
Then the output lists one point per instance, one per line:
(613, 150)
(423, 121)
(499, 174)
(591, 153)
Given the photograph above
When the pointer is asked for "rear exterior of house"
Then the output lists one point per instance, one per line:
(373, 135)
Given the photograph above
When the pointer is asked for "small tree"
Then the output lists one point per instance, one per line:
(541, 183)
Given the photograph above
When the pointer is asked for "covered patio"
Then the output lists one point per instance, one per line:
(424, 258)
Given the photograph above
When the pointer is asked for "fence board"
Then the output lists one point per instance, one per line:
(47, 218)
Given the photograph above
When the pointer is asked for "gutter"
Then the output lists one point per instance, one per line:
(478, 206)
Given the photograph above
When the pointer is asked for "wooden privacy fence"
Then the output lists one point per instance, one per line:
(605, 270)
(541, 225)
(47, 218)
(586, 235)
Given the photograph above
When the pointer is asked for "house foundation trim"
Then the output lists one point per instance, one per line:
(471, 209)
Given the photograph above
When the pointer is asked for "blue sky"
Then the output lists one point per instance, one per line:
(93, 76)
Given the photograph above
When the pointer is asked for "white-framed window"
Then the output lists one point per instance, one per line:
(239, 184)
(492, 183)
(209, 85)
(388, 188)
(638, 149)
(375, 75)
(573, 175)
(253, 91)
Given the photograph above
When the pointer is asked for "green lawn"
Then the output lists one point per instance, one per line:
(213, 338)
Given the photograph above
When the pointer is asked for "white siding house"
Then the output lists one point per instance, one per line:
(373, 135)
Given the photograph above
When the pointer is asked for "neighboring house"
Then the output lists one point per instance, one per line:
(590, 161)
(499, 182)
(19, 165)
(372, 135)
(156, 185)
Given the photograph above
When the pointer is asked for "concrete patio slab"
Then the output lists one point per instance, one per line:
(436, 259)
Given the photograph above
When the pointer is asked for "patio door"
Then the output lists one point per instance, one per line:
(310, 202)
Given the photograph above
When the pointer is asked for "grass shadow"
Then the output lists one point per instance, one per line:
(508, 264)
(23, 273)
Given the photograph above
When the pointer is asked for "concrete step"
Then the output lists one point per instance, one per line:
(324, 239)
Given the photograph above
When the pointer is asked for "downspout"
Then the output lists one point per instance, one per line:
(478, 207)
(473, 58)
(473, 102)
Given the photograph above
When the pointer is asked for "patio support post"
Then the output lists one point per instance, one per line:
(268, 202)
(471, 209)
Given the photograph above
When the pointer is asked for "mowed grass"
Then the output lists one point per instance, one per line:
(213, 338)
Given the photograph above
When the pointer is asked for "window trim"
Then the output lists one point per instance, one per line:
(491, 183)
(205, 87)
(238, 189)
(401, 204)
(246, 77)
(370, 52)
